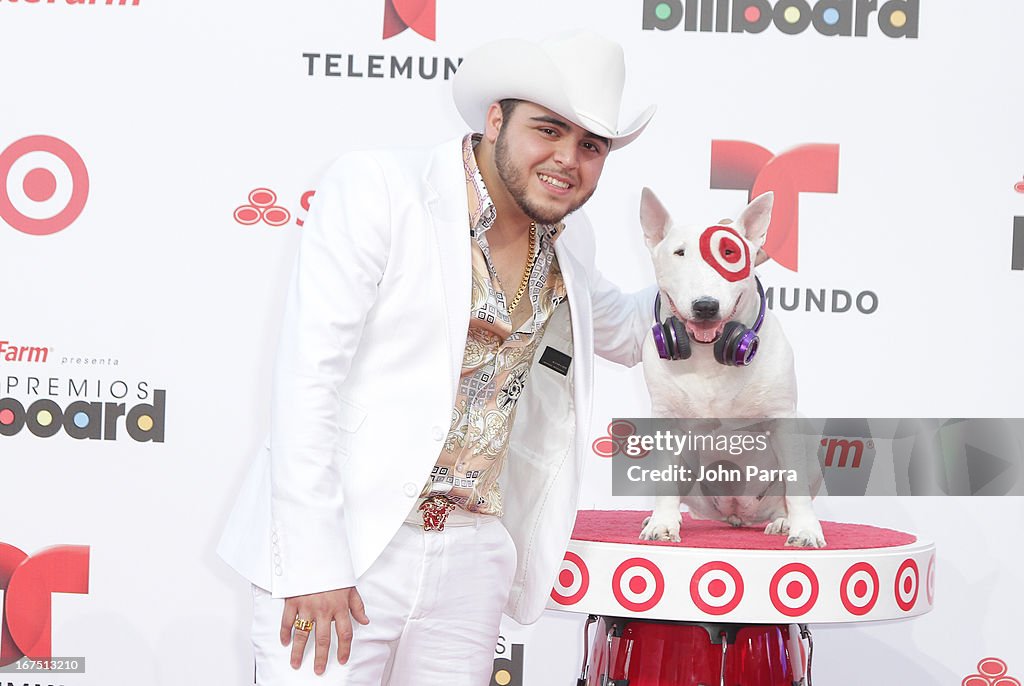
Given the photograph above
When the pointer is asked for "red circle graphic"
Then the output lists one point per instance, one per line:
(79, 185)
(992, 666)
(576, 569)
(620, 428)
(39, 184)
(247, 215)
(907, 574)
(623, 583)
(806, 585)
(1006, 681)
(726, 251)
(720, 590)
(857, 603)
(606, 446)
(276, 216)
(262, 197)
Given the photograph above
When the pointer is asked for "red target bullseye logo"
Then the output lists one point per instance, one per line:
(619, 431)
(930, 581)
(261, 207)
(43, 185)
(991, 672)
(638, 584)
(794, 589)
(906, 586)
(859, 589)
(572, 581)
(716, 588)
(726, 251)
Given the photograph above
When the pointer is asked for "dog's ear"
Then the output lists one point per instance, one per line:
(755, 219)
(653, 217)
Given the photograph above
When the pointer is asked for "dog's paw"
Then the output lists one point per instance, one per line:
(806, 535)
(779, 526)
(658, 528)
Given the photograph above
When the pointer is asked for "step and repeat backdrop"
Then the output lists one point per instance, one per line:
(157, 161)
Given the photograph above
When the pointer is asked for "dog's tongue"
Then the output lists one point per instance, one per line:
(704, 332)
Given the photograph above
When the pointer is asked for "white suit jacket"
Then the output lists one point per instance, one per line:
(367, 369)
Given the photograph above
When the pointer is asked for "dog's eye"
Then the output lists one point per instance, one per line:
(728, 252)
(680, 252)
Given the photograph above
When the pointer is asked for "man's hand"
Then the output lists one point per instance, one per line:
(322, 609)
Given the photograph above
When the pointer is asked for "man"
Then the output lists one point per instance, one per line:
(439, 335)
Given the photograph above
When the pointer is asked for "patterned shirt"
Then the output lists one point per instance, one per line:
(497, 359)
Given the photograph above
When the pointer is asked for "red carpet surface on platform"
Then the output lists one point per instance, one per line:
(623, 526)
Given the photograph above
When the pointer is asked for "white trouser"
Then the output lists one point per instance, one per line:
(434, 600)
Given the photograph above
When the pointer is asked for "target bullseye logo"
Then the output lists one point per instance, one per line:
(859, 589)
(638, 584)
(44, 185)
(261, 208)
(907, 583)
(991, 672)
(794, 589)
(930, 581)
(572, 581)
(615, 442)
(716, 588)
(726, 251)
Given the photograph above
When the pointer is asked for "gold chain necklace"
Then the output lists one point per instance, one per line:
(525, 281)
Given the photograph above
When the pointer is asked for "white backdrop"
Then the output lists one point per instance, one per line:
(179, 111)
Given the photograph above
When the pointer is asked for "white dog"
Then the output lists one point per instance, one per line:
(706, 277)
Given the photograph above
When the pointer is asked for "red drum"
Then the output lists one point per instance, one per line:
(635, 652)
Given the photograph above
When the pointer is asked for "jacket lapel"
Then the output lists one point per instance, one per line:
(449, 213)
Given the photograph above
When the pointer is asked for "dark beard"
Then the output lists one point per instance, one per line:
(515, 183)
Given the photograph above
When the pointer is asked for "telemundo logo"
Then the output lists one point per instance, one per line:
(895, 18)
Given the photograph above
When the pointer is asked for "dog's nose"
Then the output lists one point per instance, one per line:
(705, 308)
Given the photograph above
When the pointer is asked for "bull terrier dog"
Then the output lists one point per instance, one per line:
(699, 362)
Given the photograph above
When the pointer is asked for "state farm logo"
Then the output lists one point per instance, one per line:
(11, 352)
(44, 185)
(619, 431)
(991, 672)
(418, 15)
(807, 168)
(896, 18)
(28, 582)
(263, 208)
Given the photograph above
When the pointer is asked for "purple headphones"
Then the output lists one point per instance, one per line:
(736, 346)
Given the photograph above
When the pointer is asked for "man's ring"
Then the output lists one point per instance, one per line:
(303, 624)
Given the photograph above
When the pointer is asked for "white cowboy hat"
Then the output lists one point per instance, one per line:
(579, 77)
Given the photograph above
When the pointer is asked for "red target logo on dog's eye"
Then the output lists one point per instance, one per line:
(726, 251)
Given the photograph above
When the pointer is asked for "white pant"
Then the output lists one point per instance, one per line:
(434, 600)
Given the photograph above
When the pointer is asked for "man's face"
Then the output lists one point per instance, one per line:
(549, 165)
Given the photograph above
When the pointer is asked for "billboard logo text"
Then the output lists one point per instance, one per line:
(896, 18)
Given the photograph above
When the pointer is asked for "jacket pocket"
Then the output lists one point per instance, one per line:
(350, 415)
